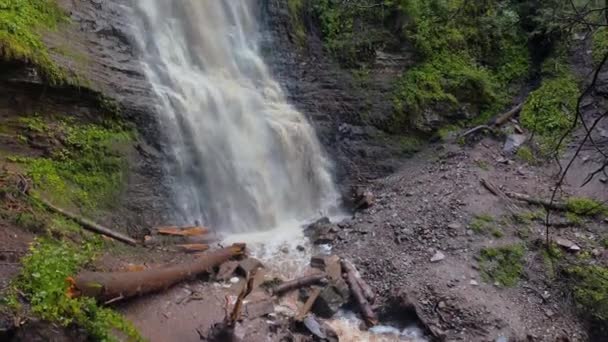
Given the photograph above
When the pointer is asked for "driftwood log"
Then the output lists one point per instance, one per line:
(496, 121)
(299, 282)
(114, 286)
(496, 191)
(537, 201)
(181, 231)
(89, 225)
(366, 309)
(366, 289)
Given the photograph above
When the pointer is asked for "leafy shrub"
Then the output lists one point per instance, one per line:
(43, 281)
(550, 109)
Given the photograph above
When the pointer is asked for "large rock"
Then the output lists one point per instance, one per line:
(321, 232)
(331, 299)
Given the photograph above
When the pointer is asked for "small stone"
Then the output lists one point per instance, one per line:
(454, 226)
(469, 232)
(442, 305)
(549, 313)
(596, 252)
(473, 282)
(567, 244)
(604, 180)
(300, 248)
(438, 257)
(234, 280)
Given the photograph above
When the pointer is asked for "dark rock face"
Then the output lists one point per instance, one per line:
(101, 53)
(348, 117)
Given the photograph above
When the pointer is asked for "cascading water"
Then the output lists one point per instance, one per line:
(242, 159)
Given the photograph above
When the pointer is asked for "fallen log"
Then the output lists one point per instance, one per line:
(497, 121)
(365, 288)
(537, 201)
(89, 225)
(114, 286)
(182, 231)
(299, 282)
(502, 118)
(366, 310)
(512, 207)
(192, 247)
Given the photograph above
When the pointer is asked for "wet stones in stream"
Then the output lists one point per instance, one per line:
(321, 232)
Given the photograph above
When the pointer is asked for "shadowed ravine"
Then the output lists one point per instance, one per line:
(241, 158)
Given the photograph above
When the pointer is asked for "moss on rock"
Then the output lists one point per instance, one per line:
(21, 24)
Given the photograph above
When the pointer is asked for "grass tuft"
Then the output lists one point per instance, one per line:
(503, 264)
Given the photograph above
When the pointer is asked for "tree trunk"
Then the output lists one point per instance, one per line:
(113, 286)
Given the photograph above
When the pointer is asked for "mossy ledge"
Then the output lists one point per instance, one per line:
(84, 169)
(21, 24)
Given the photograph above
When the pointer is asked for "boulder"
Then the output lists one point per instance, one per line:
(330, 300)
(321, 232)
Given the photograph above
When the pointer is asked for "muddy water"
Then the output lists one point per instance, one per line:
(240, 158)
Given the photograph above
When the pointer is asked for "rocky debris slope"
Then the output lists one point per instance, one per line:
(427, 233)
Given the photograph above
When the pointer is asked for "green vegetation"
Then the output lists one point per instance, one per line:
(86, 170)
(21, 22)
(591, 289)
(43, 282)
(469, 60)
(586, 206)
(503, 264)
(525, 154)
(352, 33)
(550, 109)
(600, 44)
(83, 166)
(296, 8)
(551, 257)
(484, 224)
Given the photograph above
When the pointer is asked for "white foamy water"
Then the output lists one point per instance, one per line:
(347, 326)
(241, 158)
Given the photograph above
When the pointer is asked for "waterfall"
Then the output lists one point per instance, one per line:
(240, 158)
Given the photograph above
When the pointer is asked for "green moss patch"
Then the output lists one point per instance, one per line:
(21, 22)
(525, 154)
(86, 168)
(485, 224)
(503, 264)
(591, 289)
(583, 206)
